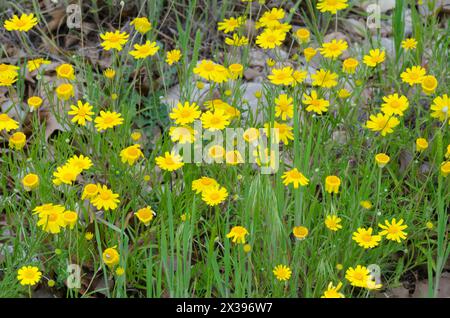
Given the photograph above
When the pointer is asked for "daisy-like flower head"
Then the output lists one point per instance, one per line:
(65, 174)
(216, 152)
(34, 102)
(30, 181)
(35, 64)
(284, 106)
(7, 80)
(70, 219)
(300, 232)
(251, 134)
(429, 84)
(17, 140)
(9, 70)
(413, 75)
(142, 25)
(52, 220)
(332, 184)
(374, 57)
(169, 162)
(332, 6)
(81, 113)
(107, 120)
(358, 276)
(144, 50)
(282, 131)
(365, 239)
(421, 144)
(272, 17)
(409, 44)
(295, 177)
(214, 195)
(114, 40)
(238, 233)
(333, 222)
(282, 272)
(236, 70)
(349, 65)
(323, 78)
(282, 76)
(105, 199)
(439, 109)
(7, 123)
(23, 24)
(111, 257)
(173, 57)
(65, 91)
(185, 113)
(131, 154)
(382, 159)
(230, 25)
(65, 71)
(393, 230)
(394, 105)
(145, 215)
(211, 71)
(183, 134)
(236, 40)
(269, 39)
(109, 73)
(333, 292)
(47, 209)
(202, 184)
(385, 124)
(29, 275)
(309, 53)
(366, 204)
(216, 120)
(299, 76)
(333, 49)
(445, 168)
(315, 104)
(303, 35)
(90, 191)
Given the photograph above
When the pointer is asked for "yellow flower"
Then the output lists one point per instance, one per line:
(421, 144)
(300, 232)
(81, 113)
(47, 209)
(229, 25)
(120, 271)
(142, 25)
(382, 159)
(70, 219)
(9, 70)
(324, 78)
(332, 184)
(272, 17)
(413, 75)
(394, 230)
(131, 154)
(366, 204)
(7, 80)
(90, 191)
(299, 76)
(365, 239)
(374, 58)
(107, 120)
(349, 65)
(236, 40)
(52, 220)
(343, 93)
(315, 104)
(105, 199)
(214, 195)
(382, 123)
(109, 73)
(65, 91)
(440, 109)
(182, 134)
(89, 236)
(333, 292)
(282, 272)
(238, 234)
(429, 84)
(145, 215)
(136, 135)
(30, 181)
(282, 76)
(251, 134)
(394, 105)
(202, 184)
(211, 71)
(332, 6)
(216, 152)
(145, 50)
(445, 168)
(358, 276)
(114, 40)
(29, 275)
(17, 140)
(333, 49)
(65, 71)
(447, 154)
(185, 114)
(173, 57)
(303, 35)
(309, 53)
(35, 64)
(429, 225)
(169, 162)
(216, 120)
(65, 174)
(284, 107)
(23, 24)
(111, 257)
(295, 177)
(283, 132)
(409, 44)
(333, 222)
(7, 123)
(270, 39)
(236, 70)
(233, 157)
(34, 102)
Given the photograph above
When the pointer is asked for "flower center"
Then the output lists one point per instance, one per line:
(105, 196)
(4, 117)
